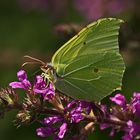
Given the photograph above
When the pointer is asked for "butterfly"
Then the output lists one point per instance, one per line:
(89, 66)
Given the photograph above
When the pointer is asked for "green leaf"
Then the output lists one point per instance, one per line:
(89, 65)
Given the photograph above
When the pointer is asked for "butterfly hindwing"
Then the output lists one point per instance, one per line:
(90, 78)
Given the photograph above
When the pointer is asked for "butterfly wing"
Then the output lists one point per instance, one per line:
(89, 65)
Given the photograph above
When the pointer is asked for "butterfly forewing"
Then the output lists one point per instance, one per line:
(89, 66)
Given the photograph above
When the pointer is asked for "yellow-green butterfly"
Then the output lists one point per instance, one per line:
(89, 65)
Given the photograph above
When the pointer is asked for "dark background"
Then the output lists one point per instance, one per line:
(30, 27)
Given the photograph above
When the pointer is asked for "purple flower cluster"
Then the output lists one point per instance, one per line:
(131, 131)
(62, 115)
(39, 87)
(73, 113)
(127, 116)
(135, 103)
(119, 100)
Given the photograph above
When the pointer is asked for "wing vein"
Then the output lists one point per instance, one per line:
(74, 86)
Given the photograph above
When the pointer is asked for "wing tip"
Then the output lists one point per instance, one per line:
(111, 19)
(118, 21)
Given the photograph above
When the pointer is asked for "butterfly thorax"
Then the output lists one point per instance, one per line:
(49, 72)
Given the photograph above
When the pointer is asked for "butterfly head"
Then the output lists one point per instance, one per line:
(47, 68)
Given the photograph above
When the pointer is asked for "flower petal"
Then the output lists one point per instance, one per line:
(104, 126)
(40, 83)
(27, 85)
(119, 99)
(52, 120)
(45, 132)
(16, 85)
(63, 129)
(41, 91)
(21, 75)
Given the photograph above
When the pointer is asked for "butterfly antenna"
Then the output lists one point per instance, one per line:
(29, 63)
(34, 60)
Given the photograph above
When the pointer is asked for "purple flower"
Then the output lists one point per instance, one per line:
(45, 132)
(131, 130)
(135, 104)
(21, 75)
(71, 105)
(76, 115)
(73, 113)
(86, 105)
(76, 109)
(42, 132)
(40, 86)
(104, 126)
(50, 93)
(24, 82)
(119, 99)
(51, 129)
(52, 120)
(62, 131)
(39, 82)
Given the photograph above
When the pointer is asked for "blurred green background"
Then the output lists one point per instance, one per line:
(39, 27)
